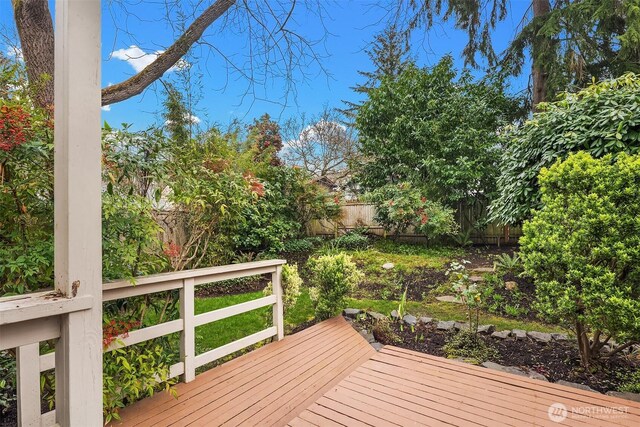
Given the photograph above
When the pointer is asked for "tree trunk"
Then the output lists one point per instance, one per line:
(35, 29)
(539, 74)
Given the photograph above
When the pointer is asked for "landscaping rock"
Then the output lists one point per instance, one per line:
(449, 298)
(511, 286)
(501, 335)
(507, 369)
(575, 385)
(388, 265)
(376, 316)
(395, 315)
(559, 337)
(486, 329)
(519, 334)
(515, 370)
(410, 319)
(367, 336)
(377, 345)
(425, 320)
(625, 395)
(351, 312)
(476, 279)
(445, 326)
(539, 336)
(481, 270)
(460, 325)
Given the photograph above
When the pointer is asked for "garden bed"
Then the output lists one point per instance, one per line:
(557, 360)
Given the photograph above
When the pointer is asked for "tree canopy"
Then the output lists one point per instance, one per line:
(600, 119)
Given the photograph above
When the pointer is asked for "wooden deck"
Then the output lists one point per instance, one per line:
(328, 375)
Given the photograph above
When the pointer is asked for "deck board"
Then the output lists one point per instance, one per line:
(328, 375)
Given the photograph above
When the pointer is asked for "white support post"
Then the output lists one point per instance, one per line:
(278, 307)
(28, 372)
(78, 187)
(188, 335)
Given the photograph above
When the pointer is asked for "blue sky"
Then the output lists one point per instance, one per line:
(222, 94)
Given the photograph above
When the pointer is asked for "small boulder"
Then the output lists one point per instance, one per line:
(377, 345)
(508, 369)
(377, 316)
(425, 320)
(482, 270)
(449, 298)
(410, 319)
(575, 385)
(476, 279)
(351, 312)
(367, 336)
(519, 334)
(501, 335)
(395, 315)
(445, 326)
(539, 336)
(625, 395)
(461, 325)
(388, 265)
(559, 337)
(486, 329)
(511, 285)
(536, 376)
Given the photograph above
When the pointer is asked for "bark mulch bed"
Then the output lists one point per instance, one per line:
(558, 360)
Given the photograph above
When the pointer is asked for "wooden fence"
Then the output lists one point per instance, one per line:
(356, 215)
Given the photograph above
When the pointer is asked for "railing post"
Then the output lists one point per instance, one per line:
(77, 231)
(188, 335)
(278, 308)
(28, 376)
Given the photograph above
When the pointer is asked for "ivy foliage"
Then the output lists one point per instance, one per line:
(583, 248)
(600, 119)
(435, 129)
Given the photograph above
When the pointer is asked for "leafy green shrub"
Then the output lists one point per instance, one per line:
(132, 373)
(334, 277)
(470, 346)
(383, 333)
(463, 239)
(600, 119)
(291, 283)
(631, 383)
(351, 241)
(401, 206)
(8, 390)
(306, 244)
(583, 249)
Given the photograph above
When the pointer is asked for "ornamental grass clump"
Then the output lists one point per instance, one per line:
(583, 250)
(334, 278)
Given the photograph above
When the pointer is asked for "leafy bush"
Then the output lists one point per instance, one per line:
(132, 373)
(466, 292)
(631, 383)
(351, 241)
(334, 277)
(470, 346)
(601, 119)
(400, 206)
(306, 244)
(291, 283)
(463, 239)
(383, 333)
(8, 390)
(583, 249)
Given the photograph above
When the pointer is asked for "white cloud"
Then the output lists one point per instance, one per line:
(139, 59)
(14, 52)
(106, 108)
(194, 119)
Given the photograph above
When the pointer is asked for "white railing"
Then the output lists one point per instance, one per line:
(27, 320)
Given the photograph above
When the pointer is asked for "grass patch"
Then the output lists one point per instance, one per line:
(406, 257)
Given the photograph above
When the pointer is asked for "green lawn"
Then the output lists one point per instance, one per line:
(227, 330)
